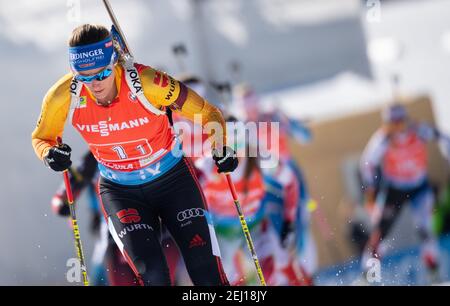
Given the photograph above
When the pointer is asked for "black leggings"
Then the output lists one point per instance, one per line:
(394, 203)
(135, 214)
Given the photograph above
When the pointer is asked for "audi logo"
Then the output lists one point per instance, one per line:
(190, 213)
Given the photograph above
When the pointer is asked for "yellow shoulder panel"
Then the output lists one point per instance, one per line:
(159, 88)
(54, 111)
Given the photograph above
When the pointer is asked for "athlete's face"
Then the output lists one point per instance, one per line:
(396, 127)
(104, 89)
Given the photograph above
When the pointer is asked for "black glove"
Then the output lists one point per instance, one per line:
(227, 161)
(58, 158)
(286, 229)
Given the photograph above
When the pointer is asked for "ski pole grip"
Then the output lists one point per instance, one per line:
(59, 141)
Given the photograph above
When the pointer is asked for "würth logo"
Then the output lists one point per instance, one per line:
(129, 215)
(197, 241)
(161, 79)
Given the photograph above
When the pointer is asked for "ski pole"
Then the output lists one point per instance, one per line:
(116, 25)
(76, 230)
(245, 230)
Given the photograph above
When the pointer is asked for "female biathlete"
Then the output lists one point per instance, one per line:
(119, 108)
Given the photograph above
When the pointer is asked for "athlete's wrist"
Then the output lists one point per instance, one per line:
(45, 158)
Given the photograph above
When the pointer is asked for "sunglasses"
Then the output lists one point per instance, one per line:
(102, 75)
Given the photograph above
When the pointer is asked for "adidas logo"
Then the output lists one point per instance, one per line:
(197, 241)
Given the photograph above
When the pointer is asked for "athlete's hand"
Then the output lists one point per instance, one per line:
(58, 158)
(60, 206)
(226, 161)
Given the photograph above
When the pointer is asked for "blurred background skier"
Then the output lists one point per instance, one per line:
(248, 105)
(394, 172)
